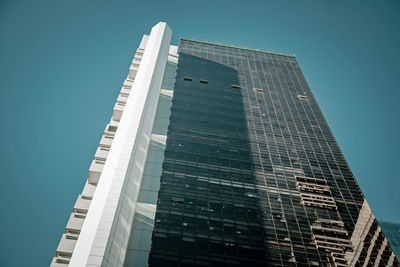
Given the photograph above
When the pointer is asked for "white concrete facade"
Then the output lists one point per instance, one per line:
(98, 230)
(139, 243)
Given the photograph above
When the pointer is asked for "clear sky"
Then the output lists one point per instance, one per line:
(62, 64)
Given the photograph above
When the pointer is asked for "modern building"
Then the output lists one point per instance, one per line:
(219, 156)
(392, 233)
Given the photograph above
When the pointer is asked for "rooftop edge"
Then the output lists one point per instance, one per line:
(239, 47)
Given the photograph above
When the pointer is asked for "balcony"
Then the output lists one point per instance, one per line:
(101, 154)
(60, 261)
(118, 110)
(125, 92)
(82, 204)
(88, 190)
(133, 71)
(127, 84)
(106, 141)
(74, 223)
(95, 171)
(138, 56)
(135, 63)
(139, 52)
(122, 99)
(64, 250)
(110, 130)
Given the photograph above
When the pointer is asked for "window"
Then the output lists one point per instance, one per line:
(204, 81)
(178, 200)
(71, 237)
(187, 79)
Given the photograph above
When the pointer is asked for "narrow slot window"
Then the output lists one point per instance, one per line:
(187, 79)
(204, 81)
(177, 200)
(61, 261)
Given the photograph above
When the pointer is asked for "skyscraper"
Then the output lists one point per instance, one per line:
(219, 156)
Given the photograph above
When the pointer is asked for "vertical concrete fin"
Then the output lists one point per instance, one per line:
(108, 216)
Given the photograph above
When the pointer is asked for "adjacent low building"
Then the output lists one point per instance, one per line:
(392, 233)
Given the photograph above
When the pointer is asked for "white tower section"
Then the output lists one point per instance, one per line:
(103, 238)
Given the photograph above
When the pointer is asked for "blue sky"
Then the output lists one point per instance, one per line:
(62, 64)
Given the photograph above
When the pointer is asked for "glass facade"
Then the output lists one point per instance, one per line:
(392, 233)
(143, 221)
(252, 175)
